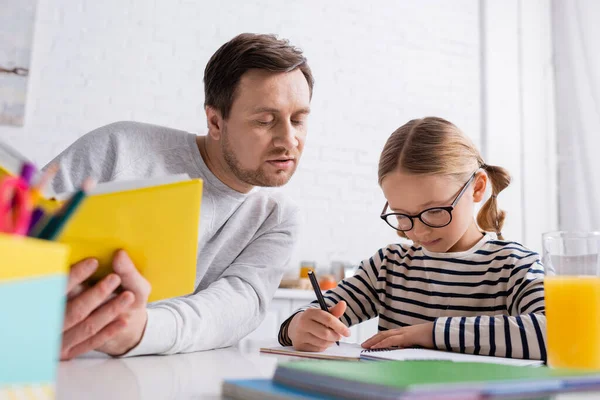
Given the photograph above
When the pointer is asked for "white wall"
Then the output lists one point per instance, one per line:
(518, 121)
(376, 66)
(576, 32)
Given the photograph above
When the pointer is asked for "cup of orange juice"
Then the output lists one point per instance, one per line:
(572, 292)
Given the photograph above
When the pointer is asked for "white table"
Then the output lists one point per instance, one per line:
(184, 376)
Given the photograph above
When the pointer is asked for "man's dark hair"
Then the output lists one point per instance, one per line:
(243, 52)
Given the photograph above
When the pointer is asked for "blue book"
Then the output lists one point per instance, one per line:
(264, 389)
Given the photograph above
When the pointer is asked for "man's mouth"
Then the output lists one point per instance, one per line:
(282, 162)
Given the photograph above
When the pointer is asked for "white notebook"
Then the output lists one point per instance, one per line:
(354, 352)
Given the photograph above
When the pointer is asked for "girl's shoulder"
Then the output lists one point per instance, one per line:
(400, 251)
(503, 249)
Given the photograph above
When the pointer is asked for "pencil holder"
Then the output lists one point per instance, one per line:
(33, 275)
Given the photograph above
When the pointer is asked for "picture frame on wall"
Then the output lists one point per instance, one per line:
(17, 19)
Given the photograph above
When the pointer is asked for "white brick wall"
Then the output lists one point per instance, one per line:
(376, 66)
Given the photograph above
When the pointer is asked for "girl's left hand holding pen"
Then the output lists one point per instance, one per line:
(408, 336)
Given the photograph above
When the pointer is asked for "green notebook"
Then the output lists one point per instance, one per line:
(409, 379)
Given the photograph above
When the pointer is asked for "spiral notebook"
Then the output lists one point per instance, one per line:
(354, 352)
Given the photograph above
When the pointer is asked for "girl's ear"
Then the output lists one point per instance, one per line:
(479, 186)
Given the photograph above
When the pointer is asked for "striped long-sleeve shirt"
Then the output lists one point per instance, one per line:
(488, 300)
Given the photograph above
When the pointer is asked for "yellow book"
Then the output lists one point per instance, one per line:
(155, 220)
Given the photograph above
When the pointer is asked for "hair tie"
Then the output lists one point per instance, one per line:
(494, 196)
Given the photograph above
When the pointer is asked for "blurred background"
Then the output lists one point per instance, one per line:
(520, 77)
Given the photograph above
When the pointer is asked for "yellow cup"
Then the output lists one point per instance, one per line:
(33, 276)
(572, 295)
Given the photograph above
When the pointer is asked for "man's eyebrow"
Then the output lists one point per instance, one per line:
(305, 110)
(265, 109)
(259, 110)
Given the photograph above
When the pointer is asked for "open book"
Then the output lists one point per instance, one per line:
(155, 220)
(354, 352)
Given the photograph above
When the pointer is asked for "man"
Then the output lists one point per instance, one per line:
(258, 91)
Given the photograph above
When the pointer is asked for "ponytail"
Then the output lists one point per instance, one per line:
(491, 218)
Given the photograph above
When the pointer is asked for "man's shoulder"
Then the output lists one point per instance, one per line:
(133, 131)
(281, 206)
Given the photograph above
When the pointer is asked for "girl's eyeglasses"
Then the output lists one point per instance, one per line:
(436, 217)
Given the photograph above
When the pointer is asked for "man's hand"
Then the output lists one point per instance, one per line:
(316, 330)
(135, 317)
(98, 319)
(409, 336)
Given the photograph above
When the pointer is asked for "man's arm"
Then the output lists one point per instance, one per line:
(96, 318)
(231, 307)
(94, 155)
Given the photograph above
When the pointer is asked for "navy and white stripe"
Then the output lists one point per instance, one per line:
(488, 300)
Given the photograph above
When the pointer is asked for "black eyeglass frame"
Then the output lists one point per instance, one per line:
(448, 209)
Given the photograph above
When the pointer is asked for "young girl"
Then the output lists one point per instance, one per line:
(460, 286)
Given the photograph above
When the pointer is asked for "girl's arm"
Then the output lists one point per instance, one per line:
(521, 334)
(358, 292)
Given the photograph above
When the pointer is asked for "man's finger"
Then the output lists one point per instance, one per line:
(83, 305)
(80, 272)
(107, 333)
(76, 291)
(130, 277)
(97, 320)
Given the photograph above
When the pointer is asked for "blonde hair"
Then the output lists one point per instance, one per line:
(434, 146)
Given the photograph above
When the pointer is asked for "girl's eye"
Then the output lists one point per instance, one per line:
(297, 122)
(264, 123)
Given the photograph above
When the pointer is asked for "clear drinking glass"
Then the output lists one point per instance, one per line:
(572, 294)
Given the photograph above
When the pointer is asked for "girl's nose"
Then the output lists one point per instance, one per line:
(420, 229)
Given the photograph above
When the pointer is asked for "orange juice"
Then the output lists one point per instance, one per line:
(573, 321)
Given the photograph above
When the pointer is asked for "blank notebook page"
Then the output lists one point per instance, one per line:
(345, 351)
(353, 351)
(423, 354)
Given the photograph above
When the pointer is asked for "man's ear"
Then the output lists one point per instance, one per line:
(214, 121)
(479, 186)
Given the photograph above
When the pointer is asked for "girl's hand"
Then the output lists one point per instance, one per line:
(316, 330)
(409, 336)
